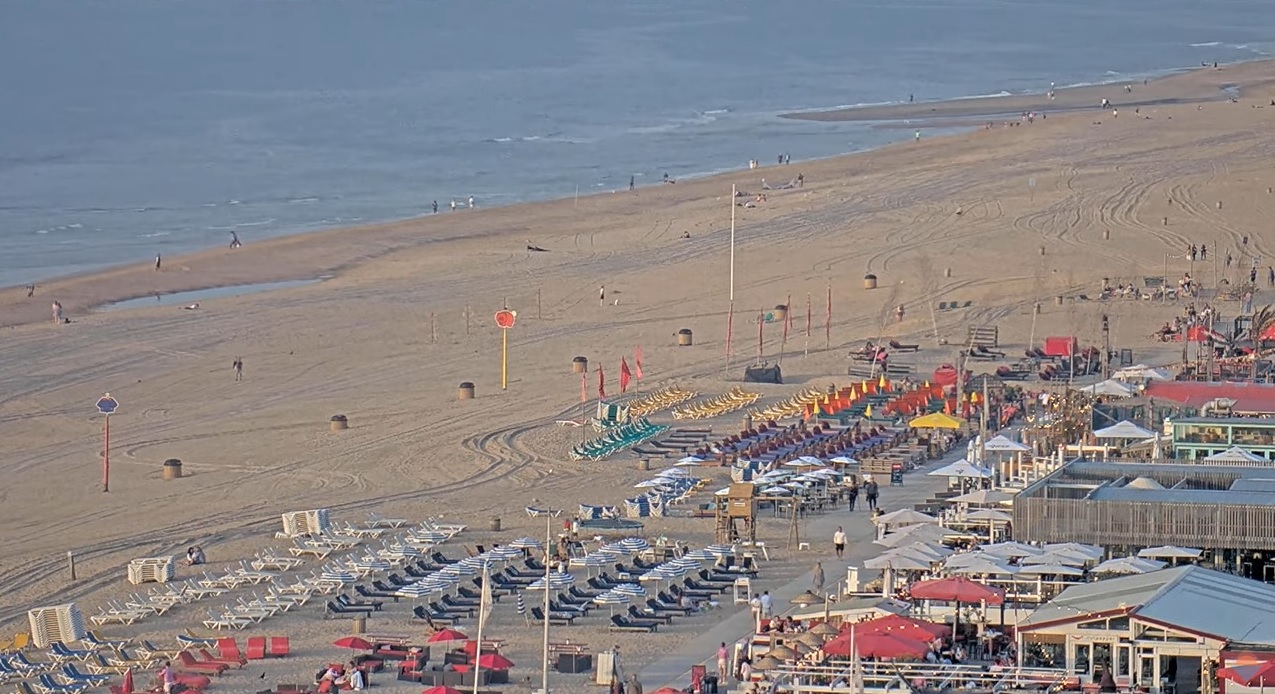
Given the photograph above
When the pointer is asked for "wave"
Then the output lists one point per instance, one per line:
(155, 234)
(301, 200)
(1207, 44)
(716, 111)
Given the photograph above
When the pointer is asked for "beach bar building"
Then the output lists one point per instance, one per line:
(1164, 631)
(1198, 438)
(1226, 510)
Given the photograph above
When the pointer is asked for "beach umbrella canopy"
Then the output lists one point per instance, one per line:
(989, 514)
(1235, 454)
(921, 532)
(673, 472)
(611, 598)
(767, 663)
(457, 570)
(1050, 570)
(904, 516)
(630, 589)
(556, 580)
(925, 549)
(776, 491)
(907, 627)
(935, 420)
(691, 460)
(957, 589)
(1259, 674)
(900, 561)
(494, 661)
(876, 646)
(1127, 565)
(420, 589)
(335, 576)
(1010, 550)
(128, 681)
(634, 544)
(720, 550)
(844, 460)
(524, 543)
(807, 599)
(504, 552)
(1142, 372)
(698, 555)
(781, 653)
(983, 497)
(961, 468)
(811, 639)
(1170, 552)
(1003, 444)
(442, 690)
(1123, 430)
(446, 636)
(1092, 551)
(1058, 556)
(649, 484)
(984, 567)
(824, 629)
(353, 643)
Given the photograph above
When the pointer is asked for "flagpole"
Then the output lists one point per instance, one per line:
(732, 243)
(544, 656)
(482, 617)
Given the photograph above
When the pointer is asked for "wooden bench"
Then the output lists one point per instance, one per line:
(556, 649)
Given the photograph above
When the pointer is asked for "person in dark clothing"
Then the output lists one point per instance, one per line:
(871, 491)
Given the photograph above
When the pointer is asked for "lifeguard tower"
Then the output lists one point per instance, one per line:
(737, 514)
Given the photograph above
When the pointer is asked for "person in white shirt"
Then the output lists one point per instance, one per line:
(839, 541)
(766, 604)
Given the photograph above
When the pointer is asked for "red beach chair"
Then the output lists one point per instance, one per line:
(228, 651)
(278, 647)
(256, 649)
(188, 662)
(206, 657)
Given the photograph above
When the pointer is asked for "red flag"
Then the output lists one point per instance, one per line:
(624, 375)
(637, 362)
(602, 384)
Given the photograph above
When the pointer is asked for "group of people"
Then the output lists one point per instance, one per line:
(335, 677)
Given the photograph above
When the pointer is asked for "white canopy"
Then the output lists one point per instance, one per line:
(904, 516)
(922, 532)
(1127, 565)
(1092, 551)
(983, 497)
(985, 567)
(1055, 569)
(1010, 550)
(1235, 454)
(961, 468)
(1142, 372)
(1124, 430)
(1004, 443)
(1170, 552)
(963, 559)
(989, 514)
(1058, 557)
(1112, 388)
(900, 559)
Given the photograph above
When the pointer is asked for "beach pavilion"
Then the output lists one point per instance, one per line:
(1159, 630)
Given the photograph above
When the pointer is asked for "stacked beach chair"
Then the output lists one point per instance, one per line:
(298, 523)
(617, 439)
(736, 399)
(151, 570)
(792, 407)
(59, 623)
(660, 400)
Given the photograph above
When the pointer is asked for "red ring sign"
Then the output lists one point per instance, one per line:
(505, 318)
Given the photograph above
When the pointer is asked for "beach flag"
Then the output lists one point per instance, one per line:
(602, 384)
(485, 602)
(637, 362)
(625, 375)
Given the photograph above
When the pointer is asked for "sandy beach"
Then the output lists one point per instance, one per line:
(1018, 214)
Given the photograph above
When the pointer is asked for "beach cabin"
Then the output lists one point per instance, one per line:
(1198, 438)
(1160, 632)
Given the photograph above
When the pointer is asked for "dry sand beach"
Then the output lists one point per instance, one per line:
(407, 315)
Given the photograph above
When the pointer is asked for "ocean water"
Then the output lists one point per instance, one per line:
(135, 127)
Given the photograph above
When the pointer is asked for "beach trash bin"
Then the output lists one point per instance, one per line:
(780, 313)
(339, 422)
(580, 365)
(747, 422)
(1059, 300)
(359, 626)
(869, 281)
(494, 524)
(684, 338)
(644, 464)
(172, 469)
(466, 391)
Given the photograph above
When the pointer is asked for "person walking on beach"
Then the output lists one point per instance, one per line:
(755, 606)
(852, 496)
(471, 202)
(816, 579)
(167, 678)
(839, 542)
(453, 204)
(898, 313)
(1252, 275)
(435, 207)
(1270, 276)
(1204, 252)
(767, 604)
(723, 663)
(602, 295)
(57, 312)
(159, 260)
(632, 181)
(234, 240)
(238, 367)
(871, 491)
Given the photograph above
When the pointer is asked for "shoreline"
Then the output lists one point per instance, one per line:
(334, 251)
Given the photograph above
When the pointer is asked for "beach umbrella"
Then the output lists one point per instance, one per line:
(1050, 570)
(612, 598)
(803, 462)
(876, 646)
(683, 562)
(505, 552)
(457, 570)
(807, 599)
(673, 472)
(766, 663)
(494, 661)
(630, 589)
(1064, 557)
(983, 497)
(353, 643)
(1259, 674)
(556, 580)
(781, 653)
(446, 636)
(634, 544)
(811, 639)
(904, 516)
(1170, 552)
(844, 460)
(475, 562)
(961, 468)
(128, 681)
(698, 555)
(824, 629)
(901, 561)
(1123, 430)
(1010, 550)
(442, 690)
(720, 550)
(957, 561)
(691, 460)
(956, 589)
(1127, 565)
(986, 567)
(649, 484)
(335, 576)
(1094, 552)
(524, 543)
(907, 627)
(927, 549)
(592, 559)
(1004, 444)
(989, 514)
(419, 589)
(776, 491)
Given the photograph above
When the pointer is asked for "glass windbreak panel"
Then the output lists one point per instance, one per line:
(1080, 658)
(1101, 656)
(1122, 660)
(1044, 655)
(1253, 436)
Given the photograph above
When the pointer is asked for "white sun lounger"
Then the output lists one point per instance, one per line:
(376, 520)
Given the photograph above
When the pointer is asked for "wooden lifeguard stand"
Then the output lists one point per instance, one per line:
(737, 514)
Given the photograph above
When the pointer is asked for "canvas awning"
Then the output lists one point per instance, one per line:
(1235, 454)
(936, 420)
(961, 468)
(1124, 430)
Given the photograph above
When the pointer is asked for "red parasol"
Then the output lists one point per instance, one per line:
(906, 627)
(353, 643)
(876, 646)
(127, 687)
(442, 690)
(445, 635)
(668, 690)
(494, 661)
(957, 589)
(1260, 674)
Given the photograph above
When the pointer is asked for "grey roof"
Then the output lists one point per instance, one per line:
(1193, 598)
(1184, 496)
(1253, 485)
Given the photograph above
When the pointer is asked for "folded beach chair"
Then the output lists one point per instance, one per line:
(279, 647)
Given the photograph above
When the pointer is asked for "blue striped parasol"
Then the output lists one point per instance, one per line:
(630, 589)
(556, 580)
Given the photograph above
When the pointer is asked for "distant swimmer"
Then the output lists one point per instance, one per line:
(234, 240)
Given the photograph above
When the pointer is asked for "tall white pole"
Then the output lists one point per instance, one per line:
(732, 242)
(482, 617)
(544, 656)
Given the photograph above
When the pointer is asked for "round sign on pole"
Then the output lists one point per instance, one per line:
(505, 318)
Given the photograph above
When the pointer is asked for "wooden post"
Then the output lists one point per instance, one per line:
(466, 319)
(433, 328)
(70, 563)
(537, 303)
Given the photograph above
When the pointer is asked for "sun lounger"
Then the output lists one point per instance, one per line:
(376, 520)
(421, 612)
(538, 512)
(48, 685)
(279, 647)
(186, 661)
(555, 618)
(619, 623)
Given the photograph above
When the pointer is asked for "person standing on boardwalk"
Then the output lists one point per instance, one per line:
(723, 662)
(853, 495)
(839, 542)
(871, 491)
(238, 367)
(816, 580)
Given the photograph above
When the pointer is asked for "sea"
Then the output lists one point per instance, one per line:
(135, 127)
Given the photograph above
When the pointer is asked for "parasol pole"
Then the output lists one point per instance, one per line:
(544, 655)
(732, 243)
(482, 617)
